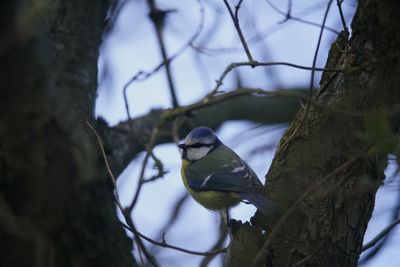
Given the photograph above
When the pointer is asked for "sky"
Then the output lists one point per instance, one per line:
(131, 47)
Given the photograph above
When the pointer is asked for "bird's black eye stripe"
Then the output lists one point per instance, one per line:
(198, 145)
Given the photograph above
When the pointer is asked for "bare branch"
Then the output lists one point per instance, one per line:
(223, 232)
(288, 16)
(318, 46)
(264, 33)
(143, 75)
(141, 179)
(381, 235)
(254, 64)
(166, 245)
(235, 19)
(174, 214)
(160, 170)
(158, 16)
(110, 173)
(395, 213)
(117, 200)
(312, 76)
(339, 4)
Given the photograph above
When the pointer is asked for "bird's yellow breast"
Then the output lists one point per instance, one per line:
(213, 200)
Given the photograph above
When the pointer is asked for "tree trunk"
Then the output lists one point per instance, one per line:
(327, 151)
(56, 206)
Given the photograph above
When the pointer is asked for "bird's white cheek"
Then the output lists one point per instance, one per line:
(197, 153)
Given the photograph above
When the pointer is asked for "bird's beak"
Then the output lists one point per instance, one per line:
(183, 146)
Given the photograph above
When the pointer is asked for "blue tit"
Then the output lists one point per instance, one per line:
(216, 177)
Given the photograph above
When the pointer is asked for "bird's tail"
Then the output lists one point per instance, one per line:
(263, 204)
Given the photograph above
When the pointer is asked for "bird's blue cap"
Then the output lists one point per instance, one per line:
(200, 135)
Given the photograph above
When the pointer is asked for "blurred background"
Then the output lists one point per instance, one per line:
(200, 39)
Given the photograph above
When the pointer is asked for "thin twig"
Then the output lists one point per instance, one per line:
(381, 235)
(234, 65)
(110, 173)
(235, 19)
(175, 213)
(141, 179)
(289, 16)
(285, 218)
(223, 232)
(264, 33)
(164, 244)
(137, 237)
(314, 63)
(143, 75)
(395, 213)
(339, 4)
(158, 16)
(141, 256)
(114, 11)
(116, 195)
(305, 114)
(289, 12)
(160, 170)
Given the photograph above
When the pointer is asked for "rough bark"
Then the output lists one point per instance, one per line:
(56, 206)
(327, 228)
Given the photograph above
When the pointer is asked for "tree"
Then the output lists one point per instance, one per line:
(56, 201)
(329, 203)
(56, 208)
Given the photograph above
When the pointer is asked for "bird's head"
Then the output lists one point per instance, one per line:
(198, 143)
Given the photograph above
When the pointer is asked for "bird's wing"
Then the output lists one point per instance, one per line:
(222, 170)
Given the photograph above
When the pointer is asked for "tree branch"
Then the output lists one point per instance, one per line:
(122, 147)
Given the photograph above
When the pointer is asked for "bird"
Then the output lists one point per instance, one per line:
(216, 177)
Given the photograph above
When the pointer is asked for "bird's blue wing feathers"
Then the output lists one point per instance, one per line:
(224, 171)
